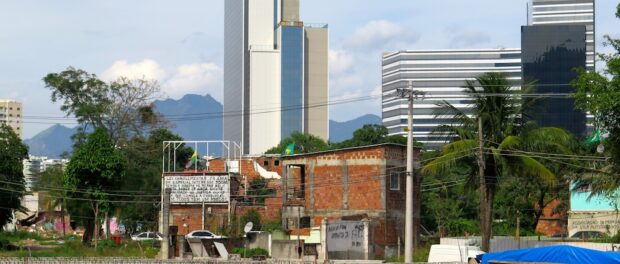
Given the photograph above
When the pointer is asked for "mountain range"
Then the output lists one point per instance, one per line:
(193, 117)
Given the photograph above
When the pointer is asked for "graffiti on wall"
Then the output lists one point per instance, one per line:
(345, 236)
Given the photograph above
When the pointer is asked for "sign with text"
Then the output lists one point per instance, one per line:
(605, 222)
(198, 189)
(345, 236)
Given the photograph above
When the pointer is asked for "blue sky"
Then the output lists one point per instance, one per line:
(180, 43)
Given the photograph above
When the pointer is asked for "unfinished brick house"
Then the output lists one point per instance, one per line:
(348, 184)
(215, 216)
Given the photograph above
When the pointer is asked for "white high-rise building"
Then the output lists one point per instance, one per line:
(11, 114)
(567, 12)
(275, 74)
(441, 74)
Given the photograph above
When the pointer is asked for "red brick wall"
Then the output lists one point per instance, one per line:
(192, 215)
(551, 223)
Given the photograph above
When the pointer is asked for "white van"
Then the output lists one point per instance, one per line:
(451, 253)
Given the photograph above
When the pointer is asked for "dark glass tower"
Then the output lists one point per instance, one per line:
(292, 79)
(550, 55)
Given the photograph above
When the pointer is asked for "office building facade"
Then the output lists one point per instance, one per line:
(441, 74)
(568, 12)
(11, 115)
(550, 54)
(270, 81)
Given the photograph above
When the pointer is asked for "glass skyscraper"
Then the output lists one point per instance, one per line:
(568, 12)
(275, 74)
(550, 55)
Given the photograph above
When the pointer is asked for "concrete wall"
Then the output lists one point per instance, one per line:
(264, 124)
(316, 94)
(234, 52)
(260, 240)
(284, 249)
(290, 10)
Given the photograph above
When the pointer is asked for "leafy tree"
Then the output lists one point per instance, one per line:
(258, 190)
(599, 93)
(95, 167)
(304, 143)
(370, 134)
(122, 107)
(51, 190)
(12, 152)
(500, 130)
(143, 177)
(254, 217)
(449, 202)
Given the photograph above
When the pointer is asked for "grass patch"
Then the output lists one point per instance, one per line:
(419, 255)
(18, 236)
(106, 248)
(250, 252)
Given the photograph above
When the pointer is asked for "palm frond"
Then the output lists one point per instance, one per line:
(532, 167)
(451, 154)
(510, 142)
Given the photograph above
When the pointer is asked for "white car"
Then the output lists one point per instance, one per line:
(203, 234)
(145, 236)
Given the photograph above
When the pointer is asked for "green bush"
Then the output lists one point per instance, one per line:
(250, 252)
(19, 236)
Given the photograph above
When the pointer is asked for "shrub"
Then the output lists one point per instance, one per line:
(250, 252)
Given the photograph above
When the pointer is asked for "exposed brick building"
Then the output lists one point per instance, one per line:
(347, 184)
(351, 184)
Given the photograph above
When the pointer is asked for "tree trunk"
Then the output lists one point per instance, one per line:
(62, 216)
(107, 226)
(96, 224)
(88, 232)
(487, 194)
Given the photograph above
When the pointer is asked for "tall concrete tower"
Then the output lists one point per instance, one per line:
(275, 74)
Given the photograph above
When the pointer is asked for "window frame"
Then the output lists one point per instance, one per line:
(395, 175)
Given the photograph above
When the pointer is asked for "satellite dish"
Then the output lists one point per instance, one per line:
(600, 149)
(248, 227)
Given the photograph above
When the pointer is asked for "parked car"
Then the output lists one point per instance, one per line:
(587, 235)
(203, 234)
(145, 236)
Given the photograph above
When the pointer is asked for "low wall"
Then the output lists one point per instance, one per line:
(284, 249)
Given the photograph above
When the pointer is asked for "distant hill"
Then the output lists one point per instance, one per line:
(51, 142)
(340, 131)
(194, 117)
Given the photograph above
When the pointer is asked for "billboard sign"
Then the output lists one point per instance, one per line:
(198, 189)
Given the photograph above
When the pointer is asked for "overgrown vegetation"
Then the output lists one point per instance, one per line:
(248, 253)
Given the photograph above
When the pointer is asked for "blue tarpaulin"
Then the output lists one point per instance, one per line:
(554, 254)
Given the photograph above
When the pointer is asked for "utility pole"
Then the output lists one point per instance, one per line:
(485, 227)
(411, 95)
(165, 223)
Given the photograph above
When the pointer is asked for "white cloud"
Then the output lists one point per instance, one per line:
(197, 78)
(147, 69)
(377, 92)
(382, 34)
(340, 61)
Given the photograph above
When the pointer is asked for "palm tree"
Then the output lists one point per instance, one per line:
(492, 138)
